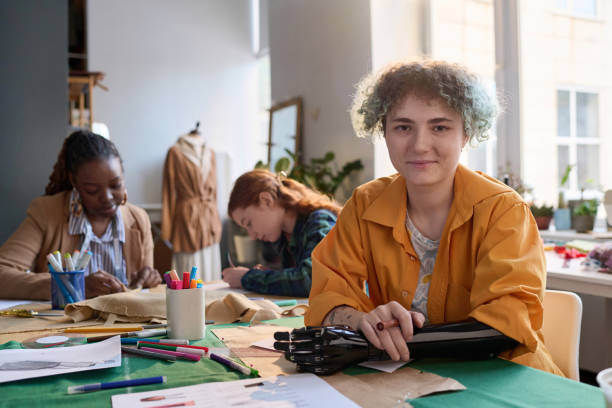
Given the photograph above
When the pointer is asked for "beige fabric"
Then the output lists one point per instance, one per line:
(190, 218)
(235, 307)
(134, 306)
(380, 390)
(9, 325)
(45, 229)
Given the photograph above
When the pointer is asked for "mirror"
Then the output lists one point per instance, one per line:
(285, 131)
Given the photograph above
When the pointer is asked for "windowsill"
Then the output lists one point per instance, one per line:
(569, 235)
(563, 13)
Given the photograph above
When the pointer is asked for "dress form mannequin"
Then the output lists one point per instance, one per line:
(190, 218)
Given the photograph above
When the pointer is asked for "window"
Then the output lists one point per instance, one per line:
(578, 137)
(578, 8)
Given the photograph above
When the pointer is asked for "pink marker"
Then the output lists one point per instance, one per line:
(186, 276)
(188, 356)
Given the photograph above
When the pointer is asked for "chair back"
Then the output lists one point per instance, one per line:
(561, 329)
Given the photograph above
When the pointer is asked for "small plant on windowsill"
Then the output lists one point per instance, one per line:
(542, 214)
(584, 215)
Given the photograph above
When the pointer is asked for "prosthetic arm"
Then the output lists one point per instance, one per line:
(326, 349)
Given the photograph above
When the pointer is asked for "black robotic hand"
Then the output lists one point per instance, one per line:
(326, 349)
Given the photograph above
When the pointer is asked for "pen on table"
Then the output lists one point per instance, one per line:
(187, 356)
(229, 259)
(172, 347)
(234, 365)
(164, 342)
(387, 324)
(150, 354)
(75, 389)
(29, 313)
(102, 329)
(135, 340)
(138, 334)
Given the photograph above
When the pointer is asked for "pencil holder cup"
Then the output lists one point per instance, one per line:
(67, 287)
(185, 311)
(604, 379)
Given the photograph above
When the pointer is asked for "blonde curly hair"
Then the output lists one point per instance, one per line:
(463, 91)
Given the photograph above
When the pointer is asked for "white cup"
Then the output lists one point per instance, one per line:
(604, 379)
(185, 311)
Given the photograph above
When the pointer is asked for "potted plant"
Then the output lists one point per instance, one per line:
(320, 173)
(562, 215)
(584, 215)
(542, 214)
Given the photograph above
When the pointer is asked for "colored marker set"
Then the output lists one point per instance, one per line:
(185, 306)
(74, 262)
(67, 279)
(188, 281)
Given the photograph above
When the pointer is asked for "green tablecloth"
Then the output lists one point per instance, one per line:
(490, 383)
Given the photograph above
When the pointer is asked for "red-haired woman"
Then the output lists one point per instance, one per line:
(281, 210)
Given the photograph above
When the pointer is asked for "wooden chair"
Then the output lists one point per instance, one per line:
(561, 329)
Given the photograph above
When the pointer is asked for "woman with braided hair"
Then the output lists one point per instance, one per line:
(84, 207)
(277, 209)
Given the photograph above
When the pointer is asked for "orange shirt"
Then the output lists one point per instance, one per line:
(490, 263)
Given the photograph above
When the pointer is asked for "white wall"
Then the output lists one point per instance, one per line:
(400, 31)
(319, 50)
(169, 64)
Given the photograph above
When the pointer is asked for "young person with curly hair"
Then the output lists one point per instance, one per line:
(277, 209)
(436, 242)
(84, 207)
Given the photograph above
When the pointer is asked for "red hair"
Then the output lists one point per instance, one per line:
(289, 193)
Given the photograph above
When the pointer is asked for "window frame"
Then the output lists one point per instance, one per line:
(569, 11)
(572, 141)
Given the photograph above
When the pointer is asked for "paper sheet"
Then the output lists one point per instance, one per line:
(388, 366)
(301, 390)
(19, 364)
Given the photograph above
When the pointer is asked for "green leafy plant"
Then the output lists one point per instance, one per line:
(561, 200)
(588, 207)
(319, 173)
(541, 211)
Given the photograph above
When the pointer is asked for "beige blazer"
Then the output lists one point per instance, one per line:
(45, 230)
(190, 218)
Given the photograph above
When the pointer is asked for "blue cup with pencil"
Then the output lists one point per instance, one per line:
(67, 279)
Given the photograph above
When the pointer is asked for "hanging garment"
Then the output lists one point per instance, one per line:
(190, 218)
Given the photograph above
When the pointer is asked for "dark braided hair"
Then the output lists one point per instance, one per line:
(80, 147)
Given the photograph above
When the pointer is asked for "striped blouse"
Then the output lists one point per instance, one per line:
(102, 248)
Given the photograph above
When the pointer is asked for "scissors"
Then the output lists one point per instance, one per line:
(28, 313)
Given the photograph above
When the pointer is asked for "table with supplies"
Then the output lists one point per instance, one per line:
(492, 382)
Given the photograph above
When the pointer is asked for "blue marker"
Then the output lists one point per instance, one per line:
(192, 275)
(77, 389)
